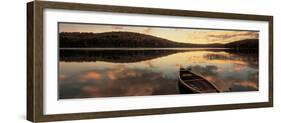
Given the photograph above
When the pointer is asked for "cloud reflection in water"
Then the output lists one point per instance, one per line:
(229, 71)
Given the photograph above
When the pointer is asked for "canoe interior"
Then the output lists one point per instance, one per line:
(195, 82)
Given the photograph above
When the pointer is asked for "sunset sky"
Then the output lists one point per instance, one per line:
(185, 35)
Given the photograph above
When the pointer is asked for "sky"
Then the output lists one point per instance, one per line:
(183, 35)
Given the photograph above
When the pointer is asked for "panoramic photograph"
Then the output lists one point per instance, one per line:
(102, 60)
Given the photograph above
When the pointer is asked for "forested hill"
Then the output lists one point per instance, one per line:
(128, 40)
(115, 39)
(243, 44)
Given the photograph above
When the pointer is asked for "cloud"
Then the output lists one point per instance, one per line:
(247, 84)
(218, 36)
(205, 70)
(231, 80)
(111, 75)
(232, 35)
(92, 75)
(62, 77)
(116, 83)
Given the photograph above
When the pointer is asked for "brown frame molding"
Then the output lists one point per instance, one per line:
(35, 60)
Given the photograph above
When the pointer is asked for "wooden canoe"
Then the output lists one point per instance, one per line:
(190, 82)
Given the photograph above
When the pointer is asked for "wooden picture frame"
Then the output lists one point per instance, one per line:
(35, 60)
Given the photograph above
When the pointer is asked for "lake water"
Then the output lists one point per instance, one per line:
(91, 73)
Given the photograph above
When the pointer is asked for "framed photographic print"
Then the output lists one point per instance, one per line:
(96, 61)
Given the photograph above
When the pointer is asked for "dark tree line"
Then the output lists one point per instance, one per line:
(134, 40)
(114, 39)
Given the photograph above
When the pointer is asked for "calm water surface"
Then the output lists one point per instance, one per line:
(113, 73)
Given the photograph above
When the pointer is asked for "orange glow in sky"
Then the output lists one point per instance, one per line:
(184, 35)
